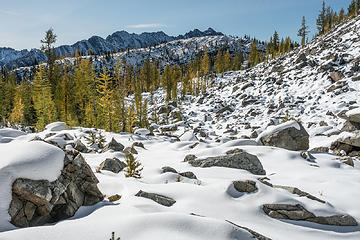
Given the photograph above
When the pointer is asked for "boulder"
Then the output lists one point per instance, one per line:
(138, 144)
(347, 144)
(247, 186)
(37, 202)
(299, 213)
(189, 157)
(350, 126)
(78, 145)
(352, 115)
(190, 175)
(113, 165)
(130, 150)
(335, 76)
(241, 160)
(160, 199)
(290, 135)
(113, 145)
(167, 169)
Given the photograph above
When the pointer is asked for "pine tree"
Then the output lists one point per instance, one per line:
(106, 100)
(320, 22)
(219, 62)
(303, 31)
(17, 114)
(48, 48)
(226, 60)
(133, 167)
(42, 97)
(253, 57)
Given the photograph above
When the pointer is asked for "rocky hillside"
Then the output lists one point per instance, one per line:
(315, 84)
(118, 41)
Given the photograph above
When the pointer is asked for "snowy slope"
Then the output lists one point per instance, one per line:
(313, 84)
(211, 195)
(118, 41)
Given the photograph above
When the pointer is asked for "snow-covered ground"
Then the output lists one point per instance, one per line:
(211, 195)
(232, 113)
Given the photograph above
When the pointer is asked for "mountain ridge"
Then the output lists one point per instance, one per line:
(115, 42)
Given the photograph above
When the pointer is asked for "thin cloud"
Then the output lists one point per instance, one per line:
(7, 12)
(148, 25)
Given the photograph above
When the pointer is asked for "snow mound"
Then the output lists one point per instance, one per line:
(37, 161)
(56, 126)
(9, 134)
(142, 131)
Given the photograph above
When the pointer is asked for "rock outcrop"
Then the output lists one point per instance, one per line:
(291, 136)
(241, 160)
(160, 199)
(299, 213)
(36, 203)
(113, 145)
(113, 165)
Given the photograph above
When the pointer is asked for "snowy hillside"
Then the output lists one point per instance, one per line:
(271, 152)
(118, 41)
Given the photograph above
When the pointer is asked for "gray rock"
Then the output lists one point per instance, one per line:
(247, 186)
(113, 145)
(138, 144)
(130, 150)
(168, 169)
(288, 138)
(113, 165)
(299, 213)
(352, 118)
(240, 160)
(78, 145)
(39, 202)
(190, 175)
(350, 126)
(160, 199)
(189, 157)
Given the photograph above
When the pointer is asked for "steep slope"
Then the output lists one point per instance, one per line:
(312, 84)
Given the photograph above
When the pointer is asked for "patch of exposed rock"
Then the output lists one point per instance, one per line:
(240, 160)
(36, 203)
(160, 199)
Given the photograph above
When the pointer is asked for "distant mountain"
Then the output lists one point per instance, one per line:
(115, 42)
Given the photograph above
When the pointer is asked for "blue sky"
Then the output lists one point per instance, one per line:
(23, 22)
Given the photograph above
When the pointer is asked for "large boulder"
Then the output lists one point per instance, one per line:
(299, 213)
(247, 186)
(113, 145)
(37, 202)
(160, 199)
(349, 144)
(352, 115)
(113, 165)
(290, 135)
(240, 160)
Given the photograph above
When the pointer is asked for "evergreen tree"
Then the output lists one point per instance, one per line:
(42, 97)
(303, 31)
(106, 100)
(48, 48)
(133, 167)
(17, 114)
(320, 22)
(219, 62)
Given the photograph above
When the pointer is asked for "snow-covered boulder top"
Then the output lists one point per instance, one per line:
(353, 115)
(56, 126)
(290, 135)
(37, 161)
(142, 131)
(9, 134)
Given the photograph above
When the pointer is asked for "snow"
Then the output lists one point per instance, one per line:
(31, 160)
(142, 131)
(210, 196)
(258, 108)
(56, 126)
(355, 111)
(9, 134)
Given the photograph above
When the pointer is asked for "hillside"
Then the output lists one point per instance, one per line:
(118, 41)
(271, 152)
